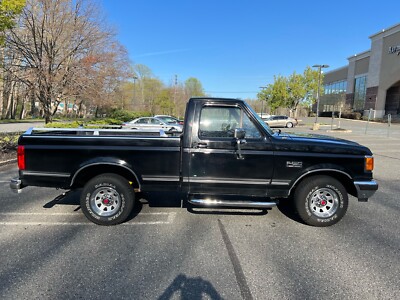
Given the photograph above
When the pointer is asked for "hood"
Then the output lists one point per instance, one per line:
(318, 143)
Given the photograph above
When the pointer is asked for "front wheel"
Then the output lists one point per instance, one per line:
(289, 125)
(107, 199)
(321, 201)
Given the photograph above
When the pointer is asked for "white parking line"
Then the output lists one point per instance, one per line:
(170, 219)
(74, 223)
(67, 214)
(38, 214)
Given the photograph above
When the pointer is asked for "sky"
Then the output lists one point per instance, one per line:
(235, 47)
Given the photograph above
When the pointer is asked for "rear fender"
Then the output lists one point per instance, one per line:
(90, 169)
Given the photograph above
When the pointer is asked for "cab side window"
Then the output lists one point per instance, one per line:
(220, 122)
(251, 130)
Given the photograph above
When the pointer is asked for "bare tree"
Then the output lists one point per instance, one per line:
(99, 77)
(54, 40)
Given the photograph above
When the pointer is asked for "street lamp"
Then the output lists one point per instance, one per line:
(262, 102)
(134, 89)
(319, 82)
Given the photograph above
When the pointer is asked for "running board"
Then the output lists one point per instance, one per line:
(232, 203)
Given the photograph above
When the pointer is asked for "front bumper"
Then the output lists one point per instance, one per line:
(16, 185)
(365, 189)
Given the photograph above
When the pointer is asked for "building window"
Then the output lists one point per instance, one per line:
(360, 89)
(336, 87)
(334, 97)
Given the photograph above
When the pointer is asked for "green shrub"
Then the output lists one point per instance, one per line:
(74, 124)
(352, 115)
(9, 141)
(125, 115)
(108, 121)
(94, 123)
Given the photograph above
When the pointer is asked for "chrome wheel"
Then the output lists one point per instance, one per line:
(321, 200)
(105, 201)
(324, 202)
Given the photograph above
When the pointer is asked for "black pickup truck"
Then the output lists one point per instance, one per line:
(226, 156)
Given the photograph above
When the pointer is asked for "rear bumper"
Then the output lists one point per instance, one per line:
(365, 189)
(16, 185)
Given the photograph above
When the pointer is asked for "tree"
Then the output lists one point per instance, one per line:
(291, 91)
(57, 40)
(165, 103)
(9, 10)
(99, 78)
(276, 93)
(153, 88)
(194, 88)
(141, 72)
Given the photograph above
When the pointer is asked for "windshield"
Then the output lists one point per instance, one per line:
(263, 124)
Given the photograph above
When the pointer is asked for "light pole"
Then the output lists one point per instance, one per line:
(262, 101)
(134, 90)
(319, 82)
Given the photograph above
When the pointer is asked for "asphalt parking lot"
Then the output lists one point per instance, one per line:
(49, 250)
(19, 127)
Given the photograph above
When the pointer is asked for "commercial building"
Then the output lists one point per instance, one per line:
(371, 80)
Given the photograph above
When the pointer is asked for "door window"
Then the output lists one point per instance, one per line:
(142, 121)
(155, 122)
(220, 122)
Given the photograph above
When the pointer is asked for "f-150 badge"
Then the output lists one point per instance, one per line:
(294, 164)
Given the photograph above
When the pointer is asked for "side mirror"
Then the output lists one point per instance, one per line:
(239, 134)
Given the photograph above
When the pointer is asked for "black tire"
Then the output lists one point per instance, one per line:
(321, 201)
(289, 125)
(107, 199)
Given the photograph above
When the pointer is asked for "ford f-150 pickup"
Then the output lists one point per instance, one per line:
(226, 156)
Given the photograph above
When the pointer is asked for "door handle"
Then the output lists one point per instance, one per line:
(201, 145)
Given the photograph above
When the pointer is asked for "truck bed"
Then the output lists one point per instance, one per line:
(152, 154)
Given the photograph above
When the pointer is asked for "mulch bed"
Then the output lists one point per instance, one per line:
(4, 156)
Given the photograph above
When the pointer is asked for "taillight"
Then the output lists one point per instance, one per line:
(21, 157)
(369, 163)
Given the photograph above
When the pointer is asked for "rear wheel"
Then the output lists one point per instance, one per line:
(107, 199)
(321, 201)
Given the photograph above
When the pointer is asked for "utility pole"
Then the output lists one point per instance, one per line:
(134, 90)
(175, 86)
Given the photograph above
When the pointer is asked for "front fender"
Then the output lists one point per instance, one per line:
(326, 169)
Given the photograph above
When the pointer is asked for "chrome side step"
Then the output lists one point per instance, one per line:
(232, 203)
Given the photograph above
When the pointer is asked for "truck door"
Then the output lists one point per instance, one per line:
(216, 165)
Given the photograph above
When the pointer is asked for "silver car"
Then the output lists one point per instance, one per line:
(169, 119)
(151, 123)
(280, 121)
